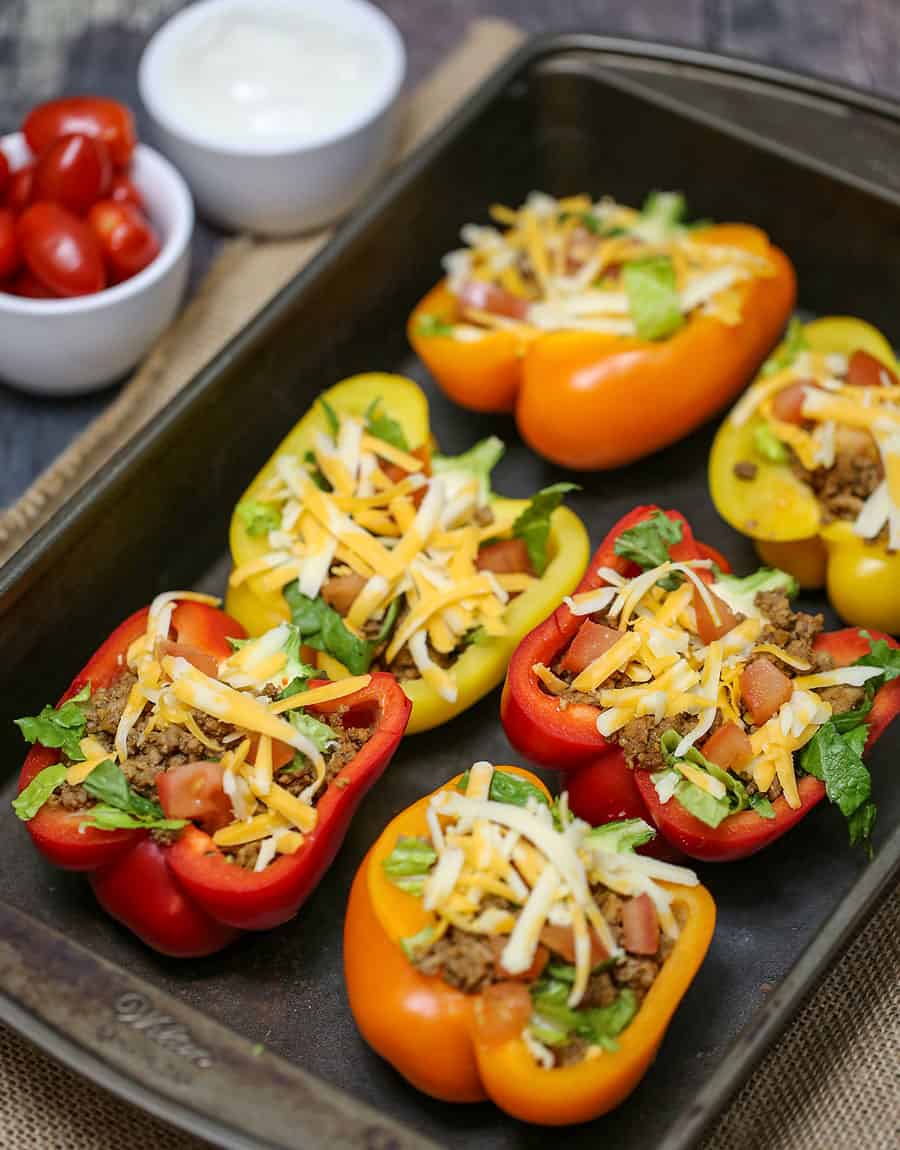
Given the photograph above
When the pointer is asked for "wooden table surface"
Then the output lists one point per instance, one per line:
(53, 46)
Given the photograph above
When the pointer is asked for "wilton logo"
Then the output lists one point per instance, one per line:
(136, 1011)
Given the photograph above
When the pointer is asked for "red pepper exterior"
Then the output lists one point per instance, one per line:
(184, 899)
(534, 723)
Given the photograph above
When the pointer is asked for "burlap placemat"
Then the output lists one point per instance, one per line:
(831, 1083)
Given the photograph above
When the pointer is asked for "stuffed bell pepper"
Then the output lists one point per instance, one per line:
(610, 332)
(386, 555)
(497, 947)
(202, 780)
(808, 465)
(708, 705)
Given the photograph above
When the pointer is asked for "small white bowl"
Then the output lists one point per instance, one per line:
(276, 184)
(80, 344)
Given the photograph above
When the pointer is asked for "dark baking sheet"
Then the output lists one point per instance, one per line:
(568, 113)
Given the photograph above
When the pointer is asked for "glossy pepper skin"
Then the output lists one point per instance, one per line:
(592, 401)
(429, 1031)
(184, 899)
(783, 517)
(533, 720)
(481, 666)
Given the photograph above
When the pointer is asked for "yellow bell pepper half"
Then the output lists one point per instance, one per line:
(480, 667)
(783, 516)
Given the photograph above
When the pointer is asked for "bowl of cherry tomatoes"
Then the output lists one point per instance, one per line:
(95, 235)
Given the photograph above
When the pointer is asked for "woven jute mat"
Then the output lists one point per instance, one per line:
(831, 1083)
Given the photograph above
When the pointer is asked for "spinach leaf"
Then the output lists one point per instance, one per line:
(533, 524)
(380, 425)
(653, 299)
(323, 629)
(61, 727)
(32, 798)
(258, 518)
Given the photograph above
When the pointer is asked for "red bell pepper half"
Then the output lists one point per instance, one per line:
(184, 899)
(535, 724)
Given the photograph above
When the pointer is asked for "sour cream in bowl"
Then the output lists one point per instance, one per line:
(280, 113)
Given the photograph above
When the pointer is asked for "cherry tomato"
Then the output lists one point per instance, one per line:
(194, 791)
(124, 191)
(74, 171)
(61, 250)
(502, 1011)
(10, 255)
(28, 285)
(4, 172)
(93, 116)
(126, 237)
(18, 190)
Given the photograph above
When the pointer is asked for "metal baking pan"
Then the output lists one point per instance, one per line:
(255, 1047)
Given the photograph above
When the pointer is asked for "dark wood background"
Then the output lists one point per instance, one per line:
(53, 46)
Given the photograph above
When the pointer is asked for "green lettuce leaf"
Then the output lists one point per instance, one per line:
(319, 733)
(621, 836)
(432, 325)
(107, 818)
(408, 864)
(32, 798)
(653, 299)
(662, 215)
(119, 805)
(415, 944)
(323, 629)
(258, 518)
(762, 806)
(740, 592)
(382, 426)
(334, 423)
(836, 760)
(480, 460)
(61, 727)
(767, 444)
(702, 805)
(793, 344)
(533, 524)
(507, 788)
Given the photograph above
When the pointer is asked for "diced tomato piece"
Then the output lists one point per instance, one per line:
(592, 641)
(640, 925)
(764, 688)
(787, 404)
(194, 791)
(707, 628)
(197, 657)
(864, 370)
(728, 747)
(561, 940)
(541, 958)
(502, 1011)
(481, 296)
(339, 591)
(504, 557)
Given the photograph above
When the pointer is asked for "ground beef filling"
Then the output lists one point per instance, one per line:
(843, 488)
(471, 962)
(150, 753)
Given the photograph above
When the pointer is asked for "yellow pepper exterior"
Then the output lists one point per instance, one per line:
(784, 518)
(481, 666)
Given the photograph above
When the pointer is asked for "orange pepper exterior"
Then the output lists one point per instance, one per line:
(592, 401)
(429, 1031)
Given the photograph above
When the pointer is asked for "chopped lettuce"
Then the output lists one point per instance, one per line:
(767, 444)
(32, 798)
(507, 788)
(322, 628)
(319, 733)
(792, 345)
(555, 1023)
(433, 325)
(416, 943)
(382, 426)
(740, 592)
(61, 727)
(258, 518)
(621, 837)
(662, 215)
(331, 416)
(408, 864)
(533, 525)
(701, 804)
(480, 460)
(653, 299)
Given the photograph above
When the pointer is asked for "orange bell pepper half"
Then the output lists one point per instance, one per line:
(430, 1032)
(591, 400)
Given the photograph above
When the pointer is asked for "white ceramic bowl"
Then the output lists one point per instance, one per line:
(280, 184)
(80, 344)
